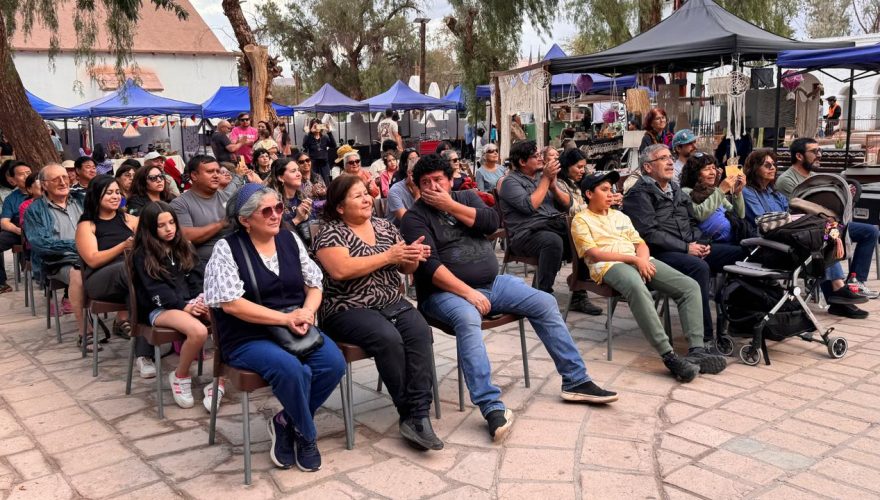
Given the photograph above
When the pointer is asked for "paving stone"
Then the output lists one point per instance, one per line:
(537, 464)
(111, 409)
(465, 493)
(849, 473)
(795, 390)
(141, 425)
(675, 412)
(621, 425)
(706, 483)
(213, 486)
(681, 446)
(10, 445)
(792, 442)
(608, 484)
(74, 437)
(440, 461)
(669, 461)
(866, 445)
(328, 490)
(552, 409)
(700, 433)
(850, 410)
(752, 409)
(172, 442)
(54, 487)
(640, 404)
(333, 464)
(152, 492)
(777, 400)
(859, 457)
(859, 398)
(399, 479)
(543, 433)
(808, 430)
(728, 421)
(631, 380)
(91, 457)
(618, 454)
(30, 391)
(476, 468)
(531, 491)
(742, 466)
(187, 464)
(8, 424)
(114, 478)
(829, 487)
(30, 407)
(30, 464)
(695, 398)
(832, 420)
(52, 421)
(785, 492)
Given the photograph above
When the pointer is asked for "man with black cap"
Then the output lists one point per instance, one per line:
(832, 119)
(616, 255)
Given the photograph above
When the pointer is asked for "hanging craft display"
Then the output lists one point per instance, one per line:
(736, 106)
(524, 92)
(584, 83)
(790, 81)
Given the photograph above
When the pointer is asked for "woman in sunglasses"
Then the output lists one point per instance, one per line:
(719, 208)
(259, 276)
(149, 185)
(491, 170)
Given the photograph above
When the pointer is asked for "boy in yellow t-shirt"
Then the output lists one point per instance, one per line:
(617, 256)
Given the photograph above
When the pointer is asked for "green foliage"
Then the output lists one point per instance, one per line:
(488, 35)
(827, 18)
(360, 46)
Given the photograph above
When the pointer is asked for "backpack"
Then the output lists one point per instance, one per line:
(745, 303)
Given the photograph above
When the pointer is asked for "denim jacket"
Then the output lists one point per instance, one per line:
(39, 228)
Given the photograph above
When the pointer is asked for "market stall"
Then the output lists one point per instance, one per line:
(228, 102)
(401, 97)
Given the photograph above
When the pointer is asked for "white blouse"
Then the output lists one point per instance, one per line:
(224, 284)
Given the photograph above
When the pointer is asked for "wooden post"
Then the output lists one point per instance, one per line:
(261, 99)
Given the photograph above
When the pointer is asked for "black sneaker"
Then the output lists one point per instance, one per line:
(709, 363)
(844, 295)
(711, 347)
(499, 423)
(308, 458)
(420, 434)
(580, 303)
(847, 311)
(684, 370)
(589, 392)
(281, 451)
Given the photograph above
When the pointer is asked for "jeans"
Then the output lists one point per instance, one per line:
(864, 236)
(402, 352)
(701, 271)
(627, 281)
(550, 248)
(508, 294)
(300, 386)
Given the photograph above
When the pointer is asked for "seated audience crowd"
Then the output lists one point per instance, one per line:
(270, 243)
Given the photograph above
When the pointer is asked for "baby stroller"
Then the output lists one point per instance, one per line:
(761, 299)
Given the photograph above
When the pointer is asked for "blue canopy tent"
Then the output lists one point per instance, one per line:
(565, 83)
(329, 100)
(49, 111)
(457, 96)
(132, 100)
(230, 101)
(400, 96)
(865, 59)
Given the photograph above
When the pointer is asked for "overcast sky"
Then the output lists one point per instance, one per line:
(212, 12)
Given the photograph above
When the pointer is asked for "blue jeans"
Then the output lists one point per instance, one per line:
(507, 295)
(301, 387)
(864, 236)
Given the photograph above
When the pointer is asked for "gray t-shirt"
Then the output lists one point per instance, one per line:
(788, 180)
(65, 219)
(398, 197)
(194, 211)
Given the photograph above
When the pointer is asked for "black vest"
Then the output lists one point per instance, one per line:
(276, 292)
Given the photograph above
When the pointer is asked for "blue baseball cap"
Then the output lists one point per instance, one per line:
(685, 136)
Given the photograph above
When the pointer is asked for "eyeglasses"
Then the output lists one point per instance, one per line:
(225, 172)
(768, 165)
(454, 160)
(303, 162)
(662, 158)
(155, 178)
(817, 151)
(535, 155)
(61, 179)
(267, 212)
(353, 162)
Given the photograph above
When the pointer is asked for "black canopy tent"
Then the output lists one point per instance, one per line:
(699, 36)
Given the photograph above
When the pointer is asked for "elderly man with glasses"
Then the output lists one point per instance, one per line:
(351, 164)
(663, 216)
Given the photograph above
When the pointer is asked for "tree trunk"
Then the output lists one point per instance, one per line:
(649, 14)
(21, 125)
(268, 69)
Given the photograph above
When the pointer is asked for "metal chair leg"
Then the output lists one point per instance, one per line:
(460, 389)
(16, 270)
(48, 308)
(85, 328)
(525, 353)
(611, 304)
(347, 399)
(212, 426)
(568, 306)
(157, 358)
(27, 296)
(342, 390)
(435, 384)
(94, 344)
(57, 315)
(130, 365)
(246, 423)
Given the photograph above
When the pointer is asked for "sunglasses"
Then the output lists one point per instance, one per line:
(303, 162)
(455, 160)
(155, 178)
(354, 162)
(267, 212)
(244, 119)
(493, 150)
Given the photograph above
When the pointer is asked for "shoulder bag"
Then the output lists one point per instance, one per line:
(298, 345)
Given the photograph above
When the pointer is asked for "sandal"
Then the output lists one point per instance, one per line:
(5, 288)
(122, 328)
(90, 347)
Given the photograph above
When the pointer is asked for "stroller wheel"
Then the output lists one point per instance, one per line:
(725, 345)
(750, 355)
(837, 347)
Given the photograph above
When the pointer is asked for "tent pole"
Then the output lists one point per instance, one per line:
(91, 133)
(204, 129)
(776, 111)
(292, 128)
(346, 129)
(66, 136)
(370, 129)
(182, 140)
(168, 128)
(849, 116)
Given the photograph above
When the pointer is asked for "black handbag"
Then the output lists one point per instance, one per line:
(298, 345)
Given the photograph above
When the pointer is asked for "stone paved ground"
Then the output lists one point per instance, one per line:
(804, 427)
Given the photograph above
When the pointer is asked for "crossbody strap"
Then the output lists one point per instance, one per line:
(250, 268)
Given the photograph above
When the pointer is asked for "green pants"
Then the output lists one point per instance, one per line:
(625, 279)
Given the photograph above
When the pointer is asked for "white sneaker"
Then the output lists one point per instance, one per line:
(208, 396)
(181, 389)
(146, 367)
(867, 292)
